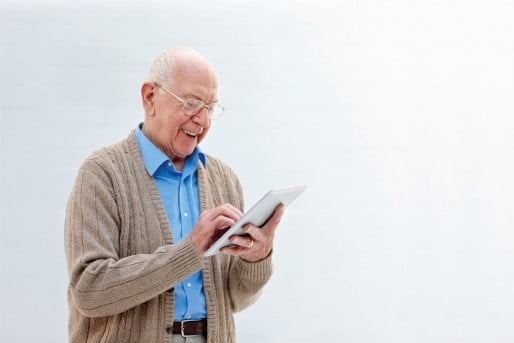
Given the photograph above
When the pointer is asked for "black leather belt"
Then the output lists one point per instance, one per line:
(190, 328)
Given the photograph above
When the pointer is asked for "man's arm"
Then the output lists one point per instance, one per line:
(246, 280)
(102, 283)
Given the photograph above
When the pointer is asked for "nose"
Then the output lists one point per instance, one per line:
(202, 118)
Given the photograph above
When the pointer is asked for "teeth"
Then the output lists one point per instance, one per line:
(190, 133)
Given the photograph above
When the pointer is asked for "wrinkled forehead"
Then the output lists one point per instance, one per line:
(195, 77)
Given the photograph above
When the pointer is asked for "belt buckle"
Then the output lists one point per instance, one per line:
(182, 328)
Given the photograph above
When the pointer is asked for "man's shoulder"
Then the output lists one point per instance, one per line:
(211, 160)
(222, 181)
(108, 156)
(214, 164)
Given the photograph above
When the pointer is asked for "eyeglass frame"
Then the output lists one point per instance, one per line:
(207, 106)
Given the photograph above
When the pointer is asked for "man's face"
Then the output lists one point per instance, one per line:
(175, 133)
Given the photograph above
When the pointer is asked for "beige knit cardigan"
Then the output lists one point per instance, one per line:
(123, 263)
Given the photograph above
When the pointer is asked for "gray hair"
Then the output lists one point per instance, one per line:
(161, 70)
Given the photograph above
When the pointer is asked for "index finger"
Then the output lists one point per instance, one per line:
(228, 210)
(274, 220)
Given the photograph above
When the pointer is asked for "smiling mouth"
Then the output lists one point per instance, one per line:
(190, 133)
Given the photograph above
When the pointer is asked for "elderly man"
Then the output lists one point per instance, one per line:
(142, 213)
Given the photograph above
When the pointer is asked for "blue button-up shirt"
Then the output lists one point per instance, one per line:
(179, 195)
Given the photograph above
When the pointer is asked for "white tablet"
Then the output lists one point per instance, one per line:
(257, 215)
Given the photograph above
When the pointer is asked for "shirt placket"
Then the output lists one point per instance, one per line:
(185, 228)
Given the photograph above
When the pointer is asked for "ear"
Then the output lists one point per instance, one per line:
(148, 92)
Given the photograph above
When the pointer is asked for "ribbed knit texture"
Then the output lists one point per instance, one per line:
(123, 264)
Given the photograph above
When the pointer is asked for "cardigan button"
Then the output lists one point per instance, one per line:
(169, 330)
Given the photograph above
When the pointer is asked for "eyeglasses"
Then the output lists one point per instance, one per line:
(192, 107)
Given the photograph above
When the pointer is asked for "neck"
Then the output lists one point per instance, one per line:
(178, 163)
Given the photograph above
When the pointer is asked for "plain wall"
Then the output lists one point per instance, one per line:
(396, 114)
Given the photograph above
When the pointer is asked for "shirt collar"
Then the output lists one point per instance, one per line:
(153, 158)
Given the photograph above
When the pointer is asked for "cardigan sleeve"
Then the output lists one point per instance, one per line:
(246, 280)
(101, 283)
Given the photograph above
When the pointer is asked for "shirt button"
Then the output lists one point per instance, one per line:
(169, 164)
(186, 214)
(189, 284)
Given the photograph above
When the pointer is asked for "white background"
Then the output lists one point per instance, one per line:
(397, 115)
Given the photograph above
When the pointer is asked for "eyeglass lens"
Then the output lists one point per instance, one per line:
(192, 107)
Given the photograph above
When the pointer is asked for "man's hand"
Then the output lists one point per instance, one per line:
(258, 242)
(211, 225)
